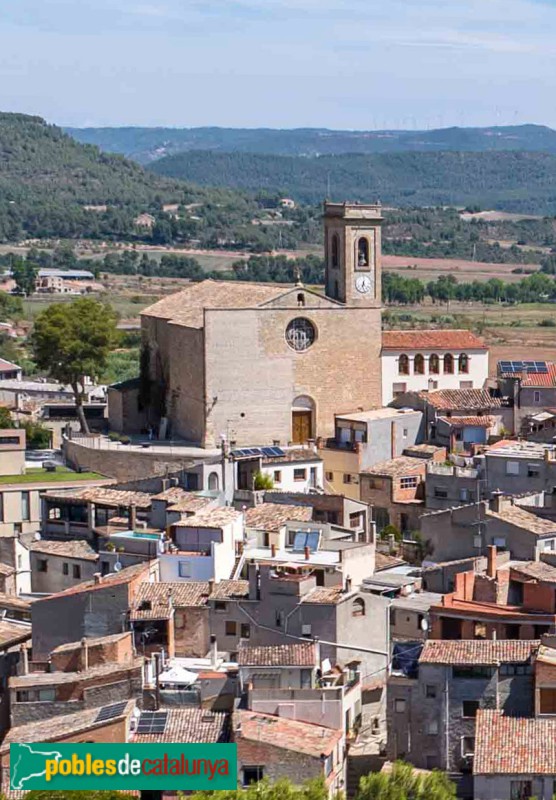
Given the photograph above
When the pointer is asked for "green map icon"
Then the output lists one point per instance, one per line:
(28, 761)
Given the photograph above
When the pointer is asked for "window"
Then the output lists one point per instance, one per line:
(65, 568)
(77, 571)
(467, 745)
(47, 695)
(405, 433)
(512, 468)
(533, 471)
(440, 492)
(245, 630)
(398, 389)
(432, 727)
(469, 708)
(277, 476)
(549, 544)
(300, 334)
(17, 527)
(363, 253)
(252, 775)
(349, 478)
(430, 690)
(409, 482)
(356, 520)
(231, 628)
(536, 397)
(20, 562)
(42, 565)
(213, 482)
(335, 251)
(54, 513)
(472, 673)
(463, 363)
(306, 630)
(279, 619)
(465, 495)
(306, 678)
(434, 364)
(448, 364)
(301, 300)
(300, 474)
(403, 365)
(547, 701)
(25, 506)
(419, 364)
(399, 706)
(184, 569)
(479, 630)
(329, 476)
(104, 567)
(521, 790)
(358, 608)
(220, 605)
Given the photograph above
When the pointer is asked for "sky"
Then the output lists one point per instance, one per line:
(345, 64)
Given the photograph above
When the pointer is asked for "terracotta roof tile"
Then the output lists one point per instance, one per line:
(535, 570)
(273, 516)
(515, 515)
(327, 595)
(280, 655)
(478, 651)
(287, 734)
(152, 601)
(186, 307)
(385, 561)
(534, 379)
(103, 496)
(476, 422)
(73, 548)
(461, 399)
(113, 579)
(7, 366)
(514, 745)
(191, 726)
(394, 467)
(432, 340)
(214, 518)
(227, 590)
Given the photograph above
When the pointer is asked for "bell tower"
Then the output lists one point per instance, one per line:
(352, 253)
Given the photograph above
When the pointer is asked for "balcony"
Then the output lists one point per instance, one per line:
(452, 471)
(336, 444)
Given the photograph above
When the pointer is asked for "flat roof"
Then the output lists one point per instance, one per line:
(377, 413)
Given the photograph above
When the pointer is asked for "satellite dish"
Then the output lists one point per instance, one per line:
(117, 566)
(424, 624)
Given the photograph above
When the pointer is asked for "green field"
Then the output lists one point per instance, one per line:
(40, 475)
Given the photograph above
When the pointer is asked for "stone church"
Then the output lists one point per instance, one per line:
(263, 363)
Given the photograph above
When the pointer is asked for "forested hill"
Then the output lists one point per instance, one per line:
(147, 144)
(513, 181)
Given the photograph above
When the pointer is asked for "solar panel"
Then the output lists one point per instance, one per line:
(272, 452)
(110, 712)
(534, 367)
(303, 539)
(247, 452)
(152, 722)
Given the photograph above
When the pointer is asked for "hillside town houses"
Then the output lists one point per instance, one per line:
(334, 549)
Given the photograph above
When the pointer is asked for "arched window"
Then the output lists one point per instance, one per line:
(363, 252)
(403, 365)
(448, 364)
(213, 482)
(358, 608)
(434, 364)
(335, 251)
(419, 364)
(463, 363)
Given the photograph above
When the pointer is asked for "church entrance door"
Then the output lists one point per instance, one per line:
(301, 426)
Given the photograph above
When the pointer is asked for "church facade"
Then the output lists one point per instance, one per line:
(263, 363)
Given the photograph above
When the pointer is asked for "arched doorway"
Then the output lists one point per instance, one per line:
(213, 482)
(303, 419)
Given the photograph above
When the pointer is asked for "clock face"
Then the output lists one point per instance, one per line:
(363, 284)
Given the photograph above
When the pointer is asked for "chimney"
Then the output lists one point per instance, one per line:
(491, 561)
(211, 587)
(84, 655)
(97, 577)
(273, 550)
(132, 517)
(213, 651)
(24, 659)
(307, 552)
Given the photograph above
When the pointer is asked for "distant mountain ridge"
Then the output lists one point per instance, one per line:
(149, 144)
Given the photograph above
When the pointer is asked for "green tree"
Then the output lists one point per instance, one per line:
(264, 790)
(37, 436)
(72, 341)
(59, 794)
(262, 481)
(404, 783)
(5, 418)
(24, 274)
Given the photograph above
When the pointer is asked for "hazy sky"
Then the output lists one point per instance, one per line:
(280, 63)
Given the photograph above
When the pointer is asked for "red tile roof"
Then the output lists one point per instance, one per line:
(514, 745)
(287, 734)
(279, 655)
(461, 399)
(157, 600)
(432, 340)
(190, 725)
(480, 651)
(463, 422)
(8, 366)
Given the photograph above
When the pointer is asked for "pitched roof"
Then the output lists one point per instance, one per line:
(432, 340)
(103, 496)
(227, 590)
(461, 399)
(12, 632)
(515, 515)
(191, 726)
(273, 516)
(152, 600)
(7, 366)
(212, 518)
(287, 734)
(463, 422)
(91, 642)
(478, 651)
(535, 570)
(73, 548)
(113, 579)
(402, 465)
(186, 307)
(507, 745)
(385, 561)
(301, 654)
(6, 570)
(325, 595)
(536, 379)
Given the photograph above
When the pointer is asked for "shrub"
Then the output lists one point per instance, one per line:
(262, 481)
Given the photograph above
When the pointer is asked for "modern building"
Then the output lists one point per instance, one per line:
(417, 361)
(265, 363)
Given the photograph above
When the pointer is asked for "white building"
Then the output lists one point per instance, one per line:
(297, 469)
(416, 361)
